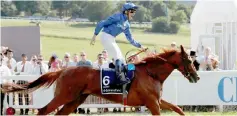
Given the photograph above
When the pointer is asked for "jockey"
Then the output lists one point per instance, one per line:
(113, 26)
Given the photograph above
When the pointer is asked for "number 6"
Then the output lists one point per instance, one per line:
(106, 80)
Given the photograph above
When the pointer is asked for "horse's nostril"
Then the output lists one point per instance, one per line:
(198, 78)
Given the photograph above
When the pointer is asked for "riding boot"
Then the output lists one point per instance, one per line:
(119, 72)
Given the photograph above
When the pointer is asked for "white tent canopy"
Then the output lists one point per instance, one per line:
(214, 24)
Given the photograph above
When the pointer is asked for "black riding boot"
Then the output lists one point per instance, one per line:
(119, 72)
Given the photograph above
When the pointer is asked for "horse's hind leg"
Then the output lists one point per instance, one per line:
(51, 106)
(168, 106)
(71, 106)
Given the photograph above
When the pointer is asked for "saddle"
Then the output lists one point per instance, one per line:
(110, 84)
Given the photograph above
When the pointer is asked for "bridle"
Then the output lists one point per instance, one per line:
(184, 61)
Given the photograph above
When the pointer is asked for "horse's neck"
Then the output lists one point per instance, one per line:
(163, 71)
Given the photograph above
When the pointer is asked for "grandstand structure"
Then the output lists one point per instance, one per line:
(214, 24)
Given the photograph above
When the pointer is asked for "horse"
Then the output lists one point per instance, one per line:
(77, 83)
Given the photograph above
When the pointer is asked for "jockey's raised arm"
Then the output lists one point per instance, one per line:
(129, 37)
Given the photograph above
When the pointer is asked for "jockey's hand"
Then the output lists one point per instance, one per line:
(93, 40)
(143, 48)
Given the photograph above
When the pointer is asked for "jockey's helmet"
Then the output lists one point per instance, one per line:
(129, 6)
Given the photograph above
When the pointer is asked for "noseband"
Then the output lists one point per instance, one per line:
(186, 62)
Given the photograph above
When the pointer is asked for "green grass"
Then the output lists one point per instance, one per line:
(60, 37)
(60, 46)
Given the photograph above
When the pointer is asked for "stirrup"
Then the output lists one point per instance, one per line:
(123, 80)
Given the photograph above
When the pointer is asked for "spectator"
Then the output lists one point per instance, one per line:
(206, 65)
(33, 61)
(173, 45)
(106, 56)
(3, 51)
(100, 62)
(84, 61)
(9, 61)
(195, 62)
(215, 63)
(75, 60)
(205, 60)
(24, 66)
(111, 63)
(41, 67)
(4, 71)
(54, 63)
(67, 61)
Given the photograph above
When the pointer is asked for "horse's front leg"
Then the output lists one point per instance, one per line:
(168, 106)
(153, 106)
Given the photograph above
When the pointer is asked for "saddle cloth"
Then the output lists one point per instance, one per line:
(109, 81)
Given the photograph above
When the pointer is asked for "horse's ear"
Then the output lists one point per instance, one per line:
(182, 49)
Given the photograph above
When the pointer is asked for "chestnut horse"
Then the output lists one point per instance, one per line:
(77, 83)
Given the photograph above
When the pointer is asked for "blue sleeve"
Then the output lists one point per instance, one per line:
(128, 35)
(103, 23)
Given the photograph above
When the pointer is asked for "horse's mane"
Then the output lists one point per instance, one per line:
(159, 57)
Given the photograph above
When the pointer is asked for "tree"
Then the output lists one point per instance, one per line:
(159, 9)
(179, 16)
(174, 27)
(52, 13)
(43, 7)
(146, 4)
(76, 8)
(160, 24)
(32, 7)
(118, 7)
(187, 10)
(142, 15)
(96, 11)
(8, 8)
(171, 5)
(20, 5)
(60, 6)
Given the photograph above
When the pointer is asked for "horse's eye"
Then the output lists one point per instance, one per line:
(188, 61)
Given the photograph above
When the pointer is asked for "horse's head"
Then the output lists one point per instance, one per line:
(184, 64)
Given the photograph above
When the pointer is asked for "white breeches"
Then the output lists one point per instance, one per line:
(109, 44)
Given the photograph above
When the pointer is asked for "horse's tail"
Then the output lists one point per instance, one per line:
(45, 80)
